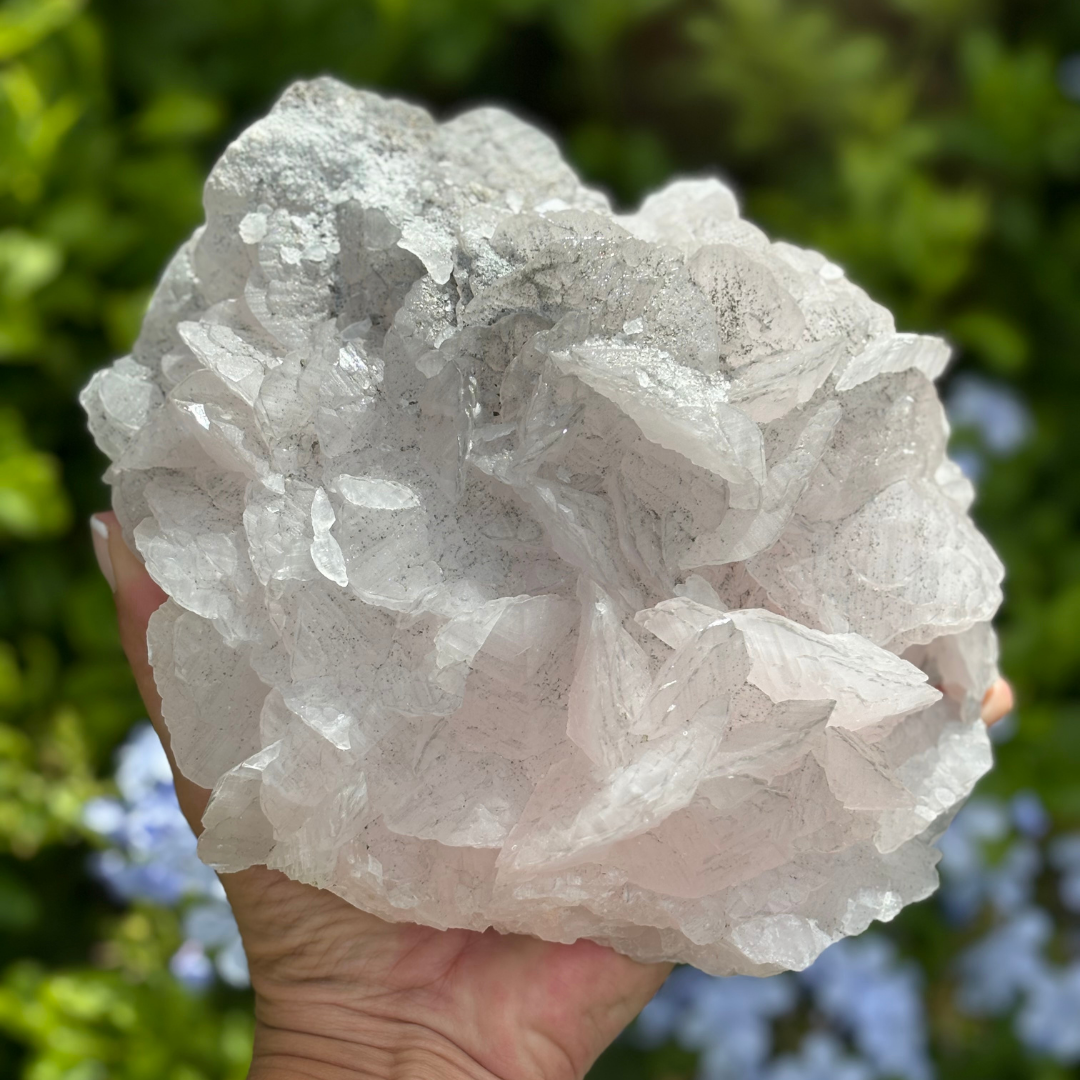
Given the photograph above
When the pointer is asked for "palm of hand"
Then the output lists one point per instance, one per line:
(513, 1005)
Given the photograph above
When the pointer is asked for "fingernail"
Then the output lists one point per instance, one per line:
(99, 534)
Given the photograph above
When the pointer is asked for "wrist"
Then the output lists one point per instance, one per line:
(365, 1049)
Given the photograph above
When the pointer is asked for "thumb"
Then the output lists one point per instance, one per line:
(137, 597)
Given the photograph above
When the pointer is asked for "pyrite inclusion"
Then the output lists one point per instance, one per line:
(536, 567)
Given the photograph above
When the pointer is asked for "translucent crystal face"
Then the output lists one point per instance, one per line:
(540, 568)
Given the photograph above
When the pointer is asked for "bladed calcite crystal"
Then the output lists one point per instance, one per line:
(537, 567)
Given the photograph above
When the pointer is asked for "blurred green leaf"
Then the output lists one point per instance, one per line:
(10, 677)
(23, 23)
(43, 787)
(32, 499)
(19, 908)
(790, 66)
(179, 115)
(26, 263)
(629, 162)
(593, 26)
(997, 340)
(97, 1023)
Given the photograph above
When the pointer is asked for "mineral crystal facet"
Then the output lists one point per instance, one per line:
(537, 567)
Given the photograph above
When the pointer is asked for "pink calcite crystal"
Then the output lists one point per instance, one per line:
(537, 567)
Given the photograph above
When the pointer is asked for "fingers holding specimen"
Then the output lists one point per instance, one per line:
(137, 597)
(998, 702)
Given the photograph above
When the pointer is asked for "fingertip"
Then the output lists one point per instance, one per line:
(137, 594)
(137, 597)
(99, 537)
(998, 702)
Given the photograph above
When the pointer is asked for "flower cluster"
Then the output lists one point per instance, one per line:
(151, 856)
(870, 1020)
(861, 1003)
(1010, 971)
(994, 412)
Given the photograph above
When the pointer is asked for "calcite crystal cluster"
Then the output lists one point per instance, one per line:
(537, 567)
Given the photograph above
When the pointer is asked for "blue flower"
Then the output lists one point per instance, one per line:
(821, 1057)
(231, 963)
(997, 971)
(1065, 858)
(213, 926)
(971, 462)
(1049, 1021)
(727, 1021)
(969, 879)
(1003, 421)
(966, 877)
(1069, 76)
(191, 966)
(153, 856)
(864, 1003)
(1012, 883)
(860, 987)
(142, 766)
(868, 993)
(1029, 815)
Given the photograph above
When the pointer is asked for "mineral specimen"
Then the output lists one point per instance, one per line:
(537, 567)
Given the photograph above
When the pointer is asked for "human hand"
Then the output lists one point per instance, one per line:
(341, 994)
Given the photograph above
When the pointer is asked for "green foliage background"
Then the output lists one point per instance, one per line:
(924, 144)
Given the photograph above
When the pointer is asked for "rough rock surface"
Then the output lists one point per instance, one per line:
(540, 568)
